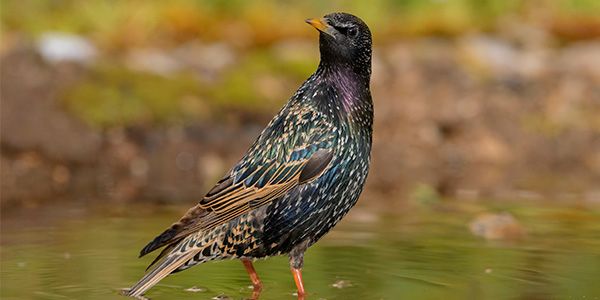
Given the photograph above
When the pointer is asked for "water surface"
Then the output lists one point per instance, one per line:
(73, 252)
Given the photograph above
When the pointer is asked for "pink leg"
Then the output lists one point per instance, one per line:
(253, 275)
(297, 273)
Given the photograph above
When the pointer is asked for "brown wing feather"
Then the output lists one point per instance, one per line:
(228, 199)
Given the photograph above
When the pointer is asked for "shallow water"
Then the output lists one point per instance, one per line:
(70, 252)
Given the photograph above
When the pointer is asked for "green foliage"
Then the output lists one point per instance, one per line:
(580, 6)
(126, 23)
(115, 96)
(238, 88)
(425, 194)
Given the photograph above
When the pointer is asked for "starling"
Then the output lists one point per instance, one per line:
(299, 178)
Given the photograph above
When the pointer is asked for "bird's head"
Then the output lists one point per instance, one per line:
(344, 39)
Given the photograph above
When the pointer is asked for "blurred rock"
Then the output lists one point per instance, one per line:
(33, 117)
(172, 164)
(153, 61)
(46, 151)
(208, 60)
(195, 289)
(61, 175)
(501, 226)
(593, 197)
(342, 284)
(57, 47)
(582, 57)
(525, 34)
(24, 178)
(488, 54)
(497, 58)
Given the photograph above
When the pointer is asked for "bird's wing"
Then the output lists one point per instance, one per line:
(255, 181)
(261, 184)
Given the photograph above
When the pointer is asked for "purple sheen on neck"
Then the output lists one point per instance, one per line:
(348, 84)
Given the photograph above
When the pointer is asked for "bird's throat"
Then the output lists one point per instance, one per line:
(351, 86)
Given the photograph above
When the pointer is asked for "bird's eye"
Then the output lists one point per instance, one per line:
(352, 31)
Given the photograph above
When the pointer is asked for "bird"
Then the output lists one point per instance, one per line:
(303, 173)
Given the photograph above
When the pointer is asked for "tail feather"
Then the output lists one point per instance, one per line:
(162, 254)
(177, 231)
(158, 241)
(160, 270)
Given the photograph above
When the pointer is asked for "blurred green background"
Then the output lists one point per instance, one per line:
(485, 166)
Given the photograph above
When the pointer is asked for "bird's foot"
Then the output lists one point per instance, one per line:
(256, 293)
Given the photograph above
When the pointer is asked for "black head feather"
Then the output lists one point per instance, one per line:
(346, 41)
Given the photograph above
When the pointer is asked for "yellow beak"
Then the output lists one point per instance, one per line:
(322, 26)
(319, 24)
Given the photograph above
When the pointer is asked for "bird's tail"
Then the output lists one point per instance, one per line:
(165, 266)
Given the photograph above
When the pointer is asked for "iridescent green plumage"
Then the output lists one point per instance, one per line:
(299, 178)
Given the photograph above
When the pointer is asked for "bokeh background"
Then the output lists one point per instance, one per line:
(117, 115)
(153, 101)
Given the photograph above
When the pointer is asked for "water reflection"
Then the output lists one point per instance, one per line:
(74, 253)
